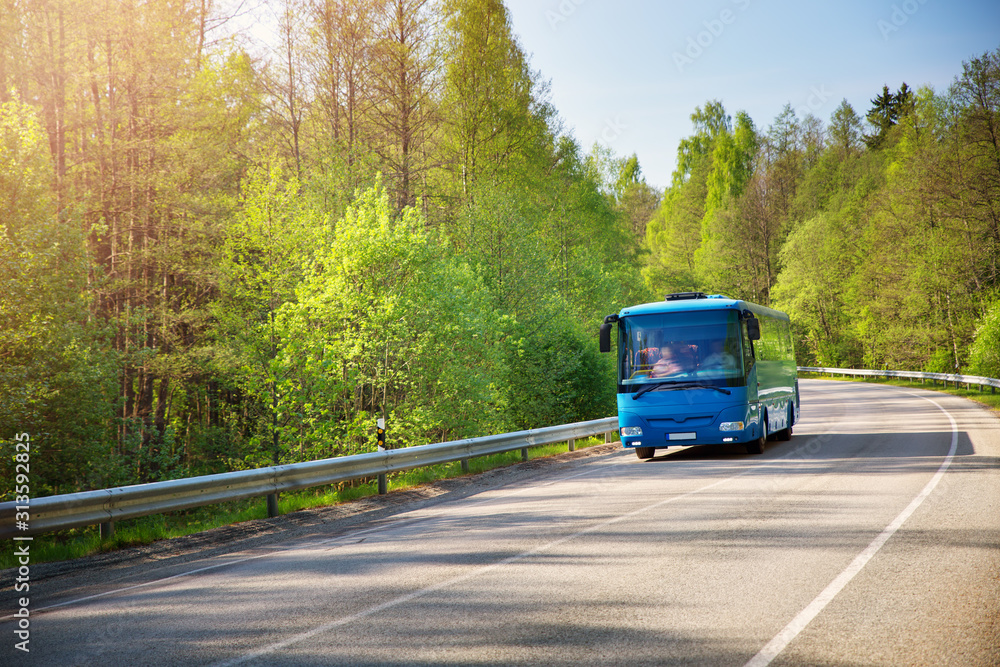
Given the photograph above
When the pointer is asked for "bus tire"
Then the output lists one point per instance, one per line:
(757, 446)
(645, 452)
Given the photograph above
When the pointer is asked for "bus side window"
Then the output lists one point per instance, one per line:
(789, 346)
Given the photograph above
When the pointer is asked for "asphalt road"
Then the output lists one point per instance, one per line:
(871, 538)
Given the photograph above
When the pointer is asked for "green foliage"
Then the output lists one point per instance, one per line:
(710, 123)
(389, 325)
(691, 238)
(887, 110)
(883, 248)
(201, 270)
(984, 353)
(845, 128)
(812, 289)
(208, 272)
(497, 115)
(265, 255)
(674, 233)
(732, 162)
(555, 375)
(499, 236)
(57, 377)
(550, 362)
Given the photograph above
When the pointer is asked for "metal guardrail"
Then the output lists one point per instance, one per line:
(106, 506)
(969, 380)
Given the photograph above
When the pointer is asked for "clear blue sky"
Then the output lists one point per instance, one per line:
(629, 73)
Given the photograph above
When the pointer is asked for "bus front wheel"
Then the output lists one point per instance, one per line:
(757, 446)
(645, 452)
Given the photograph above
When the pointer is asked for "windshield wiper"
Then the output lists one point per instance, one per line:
(673, 384)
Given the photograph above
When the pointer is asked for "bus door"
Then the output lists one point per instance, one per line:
(750, 331)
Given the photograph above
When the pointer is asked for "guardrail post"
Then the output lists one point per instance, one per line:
(524, 453)
(107, 530)
(571, 444)
(383, 483)
(465, 465)
(272, 505)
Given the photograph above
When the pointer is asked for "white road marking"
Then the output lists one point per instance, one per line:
(799, 623)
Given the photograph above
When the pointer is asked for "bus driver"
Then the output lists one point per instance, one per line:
(673, 361)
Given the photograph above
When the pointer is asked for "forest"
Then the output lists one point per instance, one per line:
(221, 250)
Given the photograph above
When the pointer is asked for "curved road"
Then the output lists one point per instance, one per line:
(871, 538)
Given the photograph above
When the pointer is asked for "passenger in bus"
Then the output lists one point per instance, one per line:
(718, 358)
(674, 359)
(646, 358)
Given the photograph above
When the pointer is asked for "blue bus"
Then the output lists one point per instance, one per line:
(696, 369)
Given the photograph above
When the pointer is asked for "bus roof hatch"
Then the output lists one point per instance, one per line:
(684, 296)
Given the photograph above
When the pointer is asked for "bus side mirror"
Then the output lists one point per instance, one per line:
(753, 328)
(605, 337)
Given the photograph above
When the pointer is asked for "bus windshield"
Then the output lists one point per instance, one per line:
(702, 346)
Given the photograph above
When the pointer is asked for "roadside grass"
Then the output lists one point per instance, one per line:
(981, 395)
(76, 543)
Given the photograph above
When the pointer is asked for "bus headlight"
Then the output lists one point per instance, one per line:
(631, 432)
(732, 426)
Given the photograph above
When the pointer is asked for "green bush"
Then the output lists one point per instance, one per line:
(984, 355)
